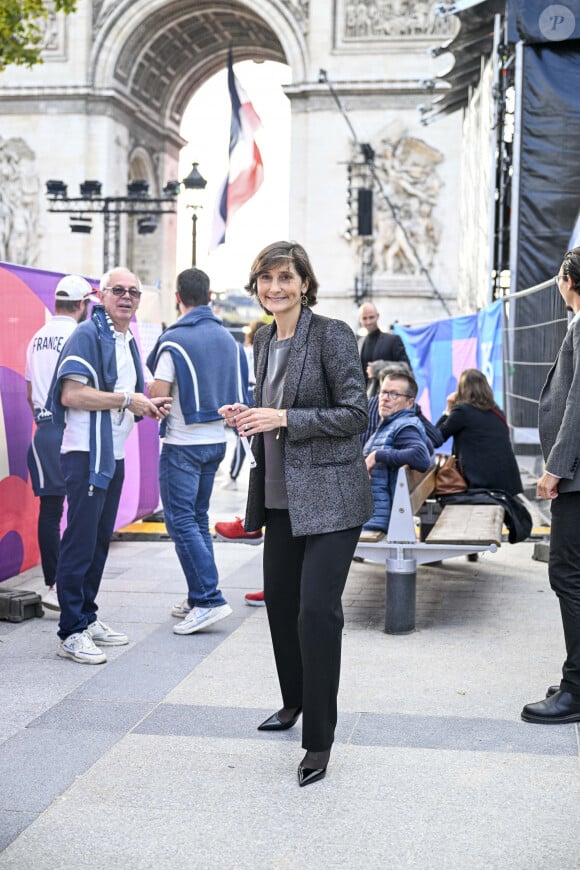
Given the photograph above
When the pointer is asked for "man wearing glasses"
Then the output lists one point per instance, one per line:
(399, 440)
(71, 301)
(97, 392)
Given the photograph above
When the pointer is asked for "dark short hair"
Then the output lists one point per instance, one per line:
(193, 287)
(399, 374)
(278, 254)
(571, 267)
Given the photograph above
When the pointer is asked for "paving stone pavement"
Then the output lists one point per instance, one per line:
(153, 760)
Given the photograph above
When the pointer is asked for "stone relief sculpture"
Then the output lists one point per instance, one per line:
(300, 11)
(298, 8)
(19, 203)
(101, 9)
(393, 19)
(53, 29)
(407, 169)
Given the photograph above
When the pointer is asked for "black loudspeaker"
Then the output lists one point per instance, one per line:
(365, 212)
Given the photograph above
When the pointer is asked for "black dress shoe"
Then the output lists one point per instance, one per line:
(274, 724)
(552, 691)
(307, 775)
(559, 708)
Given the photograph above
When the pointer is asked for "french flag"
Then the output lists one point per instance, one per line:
(246, 170)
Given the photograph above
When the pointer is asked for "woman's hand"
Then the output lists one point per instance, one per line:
(230, 413)
(451, 400)
(371, 461)
(254, 420)
(547, 486)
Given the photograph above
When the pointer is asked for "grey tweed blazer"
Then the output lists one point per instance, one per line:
(324, 394)
(559, 413)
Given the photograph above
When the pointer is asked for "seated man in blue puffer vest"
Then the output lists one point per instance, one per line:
(400, 439)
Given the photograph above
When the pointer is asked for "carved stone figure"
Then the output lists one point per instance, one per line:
(300, 10)
(407, 169)
(19, 203)
(101, 9)
(49, 26)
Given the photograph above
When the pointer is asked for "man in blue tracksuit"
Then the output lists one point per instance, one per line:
(71, 300)
(202, 367)
(400, 439)
(97, 392)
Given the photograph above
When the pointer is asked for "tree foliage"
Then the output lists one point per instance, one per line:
(22, 29)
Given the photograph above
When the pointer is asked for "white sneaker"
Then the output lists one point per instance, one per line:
(50, 599)
(201, 617)
(102, 635)
(181, 609)
(80, 648)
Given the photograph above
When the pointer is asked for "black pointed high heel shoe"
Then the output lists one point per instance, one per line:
(307, 775)
(274, 724)
(307, 772)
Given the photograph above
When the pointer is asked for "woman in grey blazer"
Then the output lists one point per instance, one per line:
(310, 488)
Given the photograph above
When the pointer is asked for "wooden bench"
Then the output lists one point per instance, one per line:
(459, 530)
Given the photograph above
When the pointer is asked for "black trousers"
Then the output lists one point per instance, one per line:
(303, 583)
(564, 572)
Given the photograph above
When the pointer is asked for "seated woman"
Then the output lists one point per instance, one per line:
(400, 439)
(481, 438)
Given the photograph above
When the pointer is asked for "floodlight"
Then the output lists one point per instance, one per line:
(56, 189)
(146, 225)
(80, 224)
(91, 188)
(138, 187)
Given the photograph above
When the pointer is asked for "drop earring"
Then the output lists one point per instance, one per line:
(304, 300)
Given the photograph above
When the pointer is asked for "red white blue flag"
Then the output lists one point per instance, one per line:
(246, 169)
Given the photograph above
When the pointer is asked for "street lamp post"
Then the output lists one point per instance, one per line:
(194, 181)
(193, 234)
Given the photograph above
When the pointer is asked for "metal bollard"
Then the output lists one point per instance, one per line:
(401, 596)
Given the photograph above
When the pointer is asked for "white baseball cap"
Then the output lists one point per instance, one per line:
(72, 288)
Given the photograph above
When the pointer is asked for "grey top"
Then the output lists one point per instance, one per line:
(275, 495)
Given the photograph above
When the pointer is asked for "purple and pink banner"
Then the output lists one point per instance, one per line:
(440, 351)
(26, 302)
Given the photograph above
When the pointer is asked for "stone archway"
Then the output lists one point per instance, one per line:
(157, 54)
(119, 73)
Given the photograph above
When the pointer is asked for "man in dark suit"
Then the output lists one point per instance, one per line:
(559, 425)
(377, 344)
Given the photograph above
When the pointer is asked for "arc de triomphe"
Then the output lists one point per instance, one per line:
(117, 76)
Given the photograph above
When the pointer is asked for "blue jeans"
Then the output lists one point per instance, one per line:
(186, 476)
(85, 544)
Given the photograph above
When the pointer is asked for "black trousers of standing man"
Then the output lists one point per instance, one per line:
(564, 572)
(304, 579)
